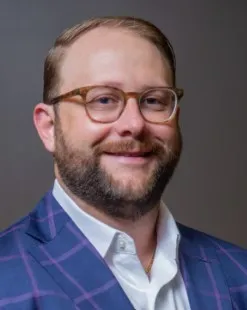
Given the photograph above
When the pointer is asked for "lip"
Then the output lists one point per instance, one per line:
(130, 154)
(137, 158)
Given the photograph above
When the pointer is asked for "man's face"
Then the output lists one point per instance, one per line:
(120, 168)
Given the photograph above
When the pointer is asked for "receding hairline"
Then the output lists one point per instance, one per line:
(97, 33)
(68, 37)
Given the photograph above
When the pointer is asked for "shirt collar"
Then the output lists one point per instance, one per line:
(98, 233)
(168, 236)
(102, 236)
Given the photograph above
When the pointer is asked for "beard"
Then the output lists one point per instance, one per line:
(82, 173)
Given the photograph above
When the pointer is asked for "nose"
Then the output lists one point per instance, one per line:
(130, 123)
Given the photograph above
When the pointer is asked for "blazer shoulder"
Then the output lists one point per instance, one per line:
(12, 245)
(202, 238)
(15, 260)
(231, 256)
(10, 236)
(231, 259)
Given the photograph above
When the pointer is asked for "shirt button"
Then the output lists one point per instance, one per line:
(122, 245)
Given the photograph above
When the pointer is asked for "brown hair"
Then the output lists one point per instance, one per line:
(143, 28)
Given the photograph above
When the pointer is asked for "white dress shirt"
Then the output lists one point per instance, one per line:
(165, 290)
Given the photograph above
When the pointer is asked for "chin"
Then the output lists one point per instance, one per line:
(132, 182)
(132, 176)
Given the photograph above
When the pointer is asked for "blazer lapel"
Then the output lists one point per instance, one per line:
(71, 260)
(204, 280)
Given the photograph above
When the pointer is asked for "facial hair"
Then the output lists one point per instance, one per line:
(83, 175)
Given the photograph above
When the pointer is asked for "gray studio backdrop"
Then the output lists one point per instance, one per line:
(208, 191)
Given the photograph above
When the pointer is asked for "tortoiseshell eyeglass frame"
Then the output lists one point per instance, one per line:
(82, 91)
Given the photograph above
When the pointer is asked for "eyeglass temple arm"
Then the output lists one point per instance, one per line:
(72, 93)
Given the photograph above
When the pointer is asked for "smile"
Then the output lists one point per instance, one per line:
(130, 158)
(130, 154)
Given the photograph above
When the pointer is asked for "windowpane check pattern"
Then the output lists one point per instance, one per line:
(47, 263)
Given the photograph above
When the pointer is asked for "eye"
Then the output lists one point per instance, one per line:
(103, 96)
(104, 103)
(153, 103)
(152, 100)
(105, 100)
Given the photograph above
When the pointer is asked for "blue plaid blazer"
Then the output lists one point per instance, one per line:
(47, 263)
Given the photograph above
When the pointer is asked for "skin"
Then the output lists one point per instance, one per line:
(123, 59)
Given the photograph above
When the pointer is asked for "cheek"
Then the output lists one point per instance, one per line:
(166, 132)
(80, 129)
(93, 133)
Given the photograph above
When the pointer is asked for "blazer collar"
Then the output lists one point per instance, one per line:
(75, 265)
(71, 260)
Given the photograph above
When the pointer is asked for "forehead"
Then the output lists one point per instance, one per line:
(115, 56)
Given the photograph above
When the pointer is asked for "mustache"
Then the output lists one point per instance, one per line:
(147, 146)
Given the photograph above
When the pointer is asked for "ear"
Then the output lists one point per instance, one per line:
(43, 118)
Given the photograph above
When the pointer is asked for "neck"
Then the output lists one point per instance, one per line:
(143, 230)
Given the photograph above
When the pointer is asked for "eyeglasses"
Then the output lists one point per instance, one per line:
(105, 104)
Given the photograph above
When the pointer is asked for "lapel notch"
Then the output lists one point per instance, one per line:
(71, 260)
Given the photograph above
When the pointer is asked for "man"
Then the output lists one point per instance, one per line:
(102, 238)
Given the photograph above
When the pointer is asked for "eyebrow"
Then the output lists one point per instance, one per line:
(142, 88)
